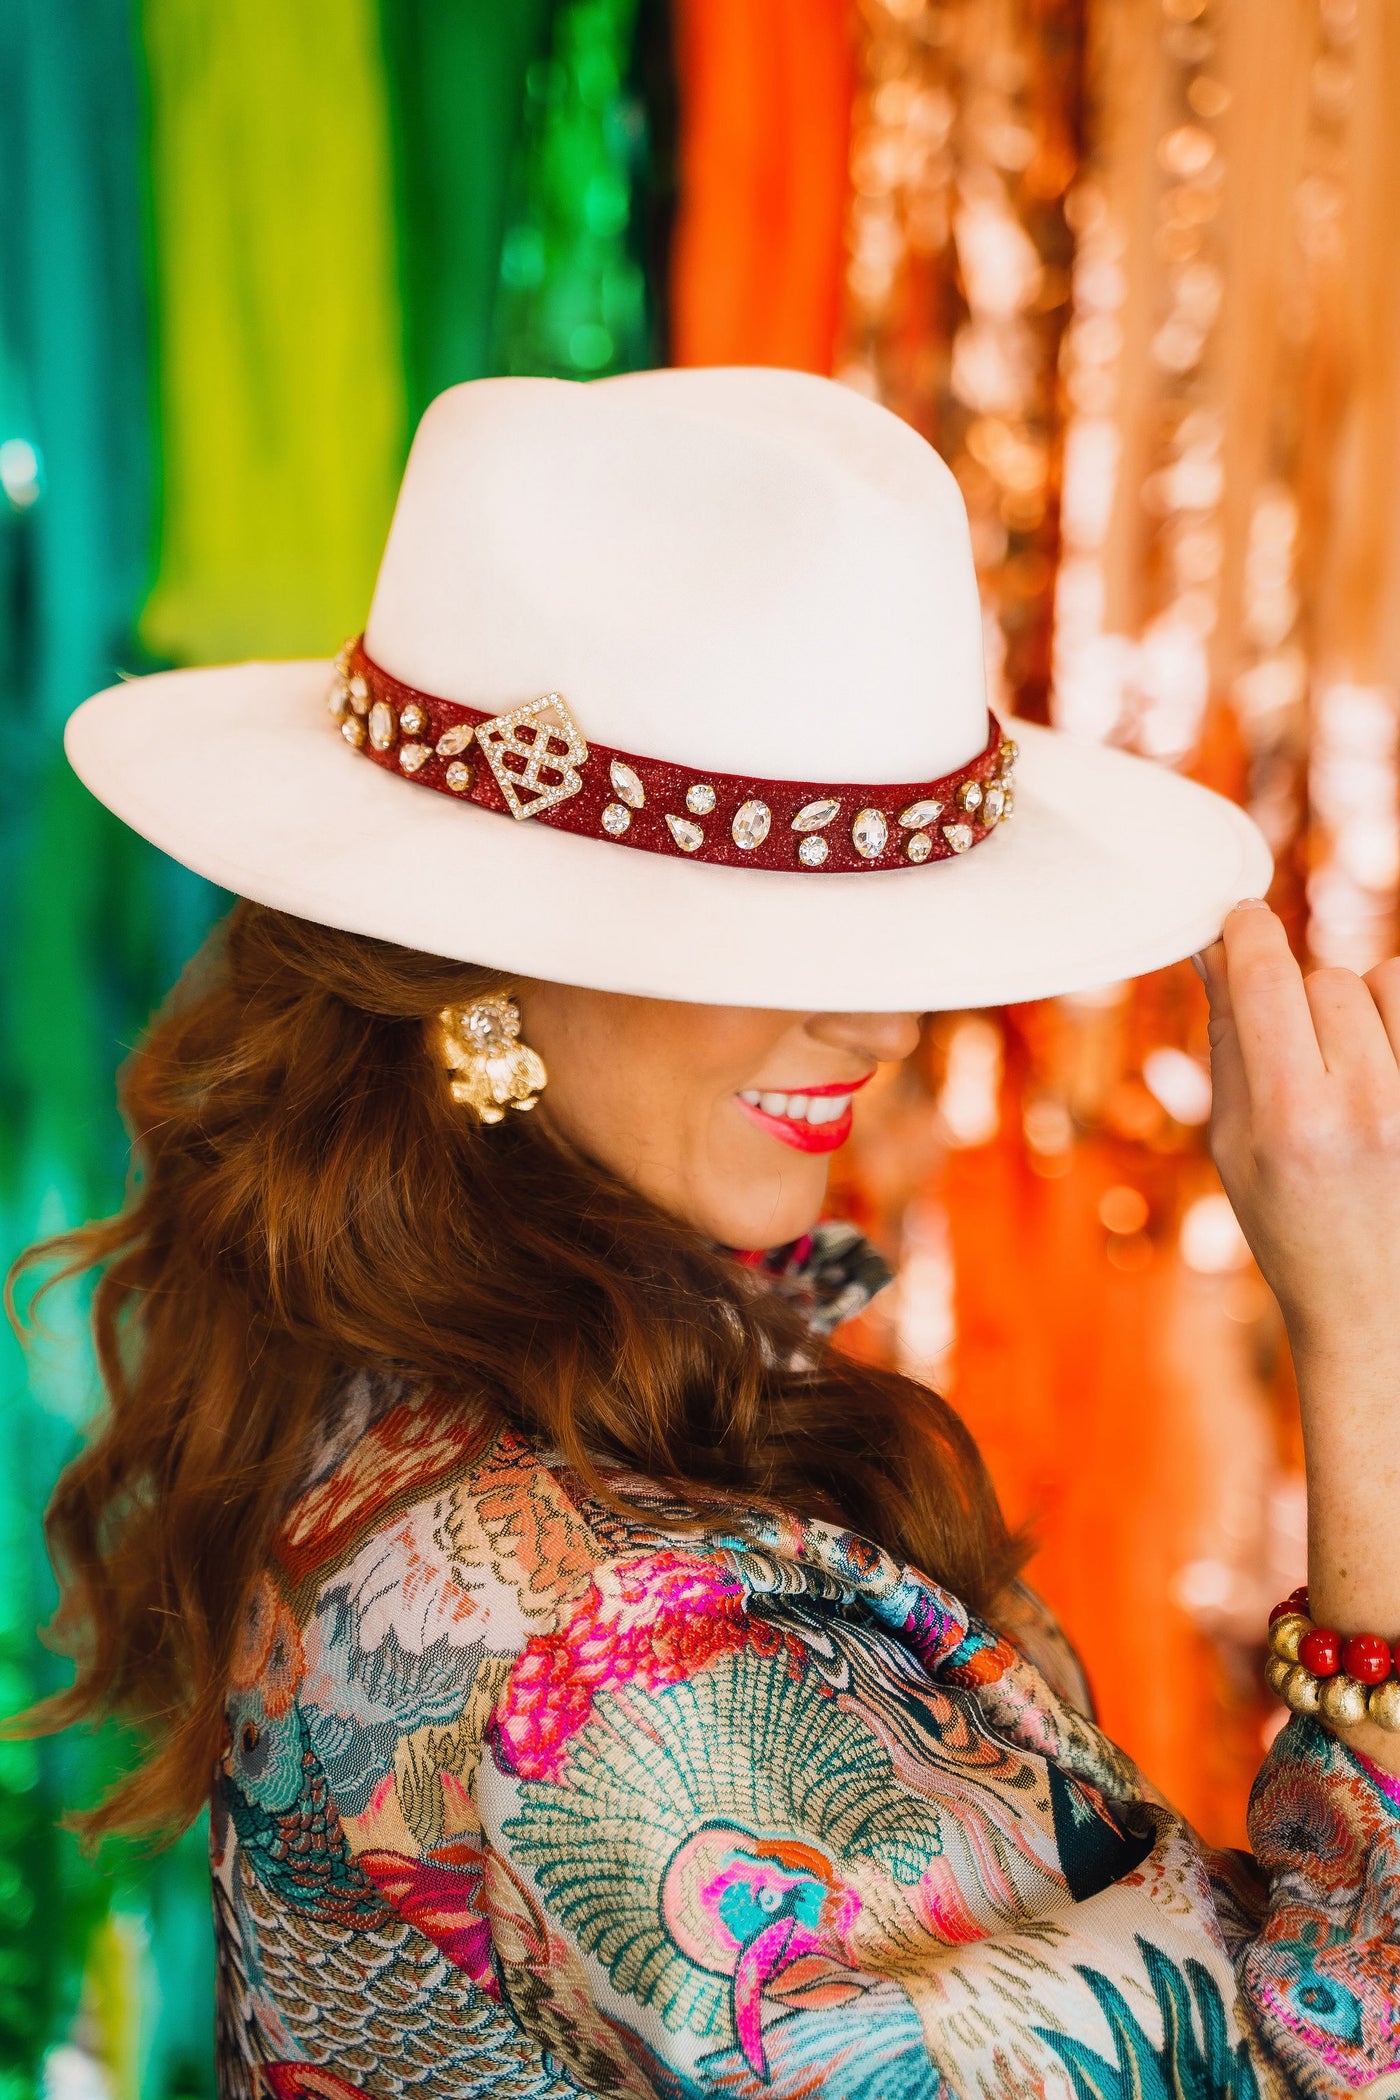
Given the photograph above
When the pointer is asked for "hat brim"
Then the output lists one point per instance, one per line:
(1110, 867)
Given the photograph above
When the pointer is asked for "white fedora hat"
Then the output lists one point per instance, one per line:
(672, 684)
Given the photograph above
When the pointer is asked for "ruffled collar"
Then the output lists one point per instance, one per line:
(831, 1273)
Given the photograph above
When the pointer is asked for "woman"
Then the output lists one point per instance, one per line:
(610, 1688)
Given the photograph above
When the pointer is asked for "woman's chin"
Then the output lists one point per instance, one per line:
(771, 1213)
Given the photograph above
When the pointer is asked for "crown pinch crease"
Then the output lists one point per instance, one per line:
(533, 762)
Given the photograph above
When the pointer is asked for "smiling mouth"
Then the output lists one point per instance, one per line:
(816, 1120)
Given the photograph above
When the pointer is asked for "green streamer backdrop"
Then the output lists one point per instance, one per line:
(230, 238)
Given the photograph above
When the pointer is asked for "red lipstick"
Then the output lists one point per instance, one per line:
(823, 1135)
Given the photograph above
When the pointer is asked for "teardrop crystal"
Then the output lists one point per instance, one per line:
(626, 785)
(815, 816)
(917, 816)
(959, 836)
(750, 826)
(686, 835)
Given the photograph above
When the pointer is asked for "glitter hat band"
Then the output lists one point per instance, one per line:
(533, 762)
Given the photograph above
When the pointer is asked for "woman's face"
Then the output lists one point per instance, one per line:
(725, 1116)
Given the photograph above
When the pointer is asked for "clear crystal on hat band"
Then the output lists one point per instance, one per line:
(626, 786)
(918, 846)
(353, 731)
(750, 826)
(970, 796)
(959, 836)
(686, 835)
(412, 720)
(1009, 753)
(813, 850)
(359, 694)
(616, 818)
(338, 697)
(993, 802)
(700, 799)
(1008, 801)
(458, 777)
(869, 832)
(382, 726)
(412, 757)
(815, 816)
(454, 740)
(917, 816)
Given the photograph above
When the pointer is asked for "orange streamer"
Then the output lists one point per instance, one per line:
(758, 259)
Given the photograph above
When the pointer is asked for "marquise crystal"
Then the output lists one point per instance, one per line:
(338, 697)
(413, 757)
(815, 816)
(750, 826)
(813, 850)
(970, 796)
(454, 740)
(458, 777)
(686, 835)
(382, 726)
(918, 846)
(917, 816)
(869, 833)
(700, 799)
(959, 836)
(993, 803)
(616, 818)
(626, 786)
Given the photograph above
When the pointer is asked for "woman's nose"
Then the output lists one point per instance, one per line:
(884, 1037)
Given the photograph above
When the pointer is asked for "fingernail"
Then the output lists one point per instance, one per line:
(1252, 904)
(1198, 964)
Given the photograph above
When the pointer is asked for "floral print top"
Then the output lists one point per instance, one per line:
(520, 1798)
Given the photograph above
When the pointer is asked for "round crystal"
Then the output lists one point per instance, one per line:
(917, 816)
(700, 799)
(493, 1025)
(616, 818)
(359, 694)
(993, 802)
(750, 826)
(412, 757)
(338, 697)
(869, 832)
(686, 835)
(413, 721)
(353, 731)
(815, 816)
(918, 846)
(959, 836)
(626, 786)
(454, 740)
(970, 796)
(813, 850)
(458, 777)
(382, 726)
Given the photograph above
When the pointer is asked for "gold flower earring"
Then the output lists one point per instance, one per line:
(494, 1069)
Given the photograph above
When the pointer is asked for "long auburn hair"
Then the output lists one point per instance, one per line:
(306, 1198)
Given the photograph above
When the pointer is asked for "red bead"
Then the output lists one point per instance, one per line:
(1299, 1598)
(1282, 1611)
(1366, 1657)
(1321, 1651)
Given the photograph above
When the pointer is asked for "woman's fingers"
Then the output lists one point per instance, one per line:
(1229, 1088)
(1351, 1031)
(1383, 983)
(1273, 1021)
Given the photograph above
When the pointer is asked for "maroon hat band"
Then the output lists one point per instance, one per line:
(533, 762)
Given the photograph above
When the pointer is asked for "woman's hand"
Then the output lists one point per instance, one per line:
(1306, 1134)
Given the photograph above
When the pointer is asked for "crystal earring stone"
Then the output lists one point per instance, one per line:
(626, 786)
(700, 799)
(750, 826)
(813, 850)
(686, 835)
(869, 833)
(615, 819)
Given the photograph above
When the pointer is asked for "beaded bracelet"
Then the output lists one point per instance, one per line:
(1315, 1670)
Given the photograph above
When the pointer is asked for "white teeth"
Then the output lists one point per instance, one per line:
(749, 1094)
(828, 1108)
(799, 1108)
(773, 1104)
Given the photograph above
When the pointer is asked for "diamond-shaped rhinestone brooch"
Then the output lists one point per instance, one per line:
(534, 752)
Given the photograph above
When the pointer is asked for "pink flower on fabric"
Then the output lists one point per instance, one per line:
(439, 1896)
(644, 1623)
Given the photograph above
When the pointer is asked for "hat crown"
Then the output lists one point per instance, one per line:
(752, 571)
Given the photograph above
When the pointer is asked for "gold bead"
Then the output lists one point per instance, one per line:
(1343, 1702)
(1285, 1634)
(1301, 1690)
(1383, 1705)
(1276, 1670)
